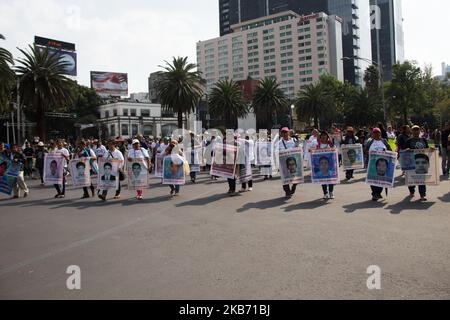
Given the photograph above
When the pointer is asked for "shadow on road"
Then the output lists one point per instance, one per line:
(262, 205)
(369, 204)
(407, 204)
(310, 205)
(203, 201)
(445, 198)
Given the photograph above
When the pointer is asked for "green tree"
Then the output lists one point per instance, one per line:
(179, 87)
(7, 77)
(269, 101)
(227, 102)
(313, 102)
(362, 109)
(43, 85)
(404, 92)
(372, 81)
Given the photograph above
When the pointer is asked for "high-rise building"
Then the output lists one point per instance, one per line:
(293, 48)
(359, 34)
(387, 34)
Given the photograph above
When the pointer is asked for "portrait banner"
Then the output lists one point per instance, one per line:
(53, 168)
(173, 172)
(381, 169)
(325, 166)
(352, 156)
(291, 166)
(137, 174)
(263, 153)
(108, 174)
(80, 170)
(159, 158)
(426, 168)
(8, 176)
(407, 160)
(224, 161)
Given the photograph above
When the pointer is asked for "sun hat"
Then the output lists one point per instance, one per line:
(376, 130)
(415, 127)
(285, 129)
(136, 141)
(40, 144)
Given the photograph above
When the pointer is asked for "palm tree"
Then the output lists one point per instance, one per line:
(7, 77)
(179, 87)
(363, 109)
(269, 100)
(226, 101)
(43, 85)
(313, 102)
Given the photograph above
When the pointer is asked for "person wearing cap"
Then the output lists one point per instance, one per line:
(40, 156)
(286, 143)
(349, 138)
(377, 144)
(416, 142)
(139, 153)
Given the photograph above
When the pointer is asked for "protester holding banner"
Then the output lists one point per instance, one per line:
(174, 167)
(18, 159)
(64, 153)
(194, 151)
(325, 142)
(83, 151)
(349, 139)
(138, 153)
(414, 143)
(378, 144)
(287, 143)
(245, 167)
(114, 154)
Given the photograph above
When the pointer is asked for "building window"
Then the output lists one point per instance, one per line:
(148, 130)
(112, 130)
(125, 130)
(115, 112)
(125, 112)
(134, 129)
(133, 112)
(106, 114)
(145, 113)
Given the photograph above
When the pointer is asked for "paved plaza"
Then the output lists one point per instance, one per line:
(206, 245)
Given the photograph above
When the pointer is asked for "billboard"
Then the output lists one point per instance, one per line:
(50, 43)
(64, 50)
(109, 83)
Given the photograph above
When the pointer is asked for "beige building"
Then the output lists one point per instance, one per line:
(293, 48)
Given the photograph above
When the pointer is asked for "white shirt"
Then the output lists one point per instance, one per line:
(116, 155)
(65, 152)
(101, 151)
(377, 145)
(138, 154)
(287, 144)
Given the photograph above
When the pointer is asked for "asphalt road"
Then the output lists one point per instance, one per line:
(206, 245)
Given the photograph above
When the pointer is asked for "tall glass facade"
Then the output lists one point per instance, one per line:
(387, 34)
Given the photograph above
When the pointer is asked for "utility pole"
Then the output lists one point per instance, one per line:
(18, 113)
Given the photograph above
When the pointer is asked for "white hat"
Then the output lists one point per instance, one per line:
(136, 141)
(40, 144)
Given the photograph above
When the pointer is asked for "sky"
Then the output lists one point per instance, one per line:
(137, 36)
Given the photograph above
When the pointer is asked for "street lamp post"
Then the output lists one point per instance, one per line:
(381, 82)
(292, 115)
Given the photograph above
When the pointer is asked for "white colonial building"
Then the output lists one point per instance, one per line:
(127, 119)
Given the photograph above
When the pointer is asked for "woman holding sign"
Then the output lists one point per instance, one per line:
(287, 143)
(325, 142)
(176, 165)
(139, 153)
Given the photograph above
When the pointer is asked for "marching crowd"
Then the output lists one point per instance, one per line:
(31, 156)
